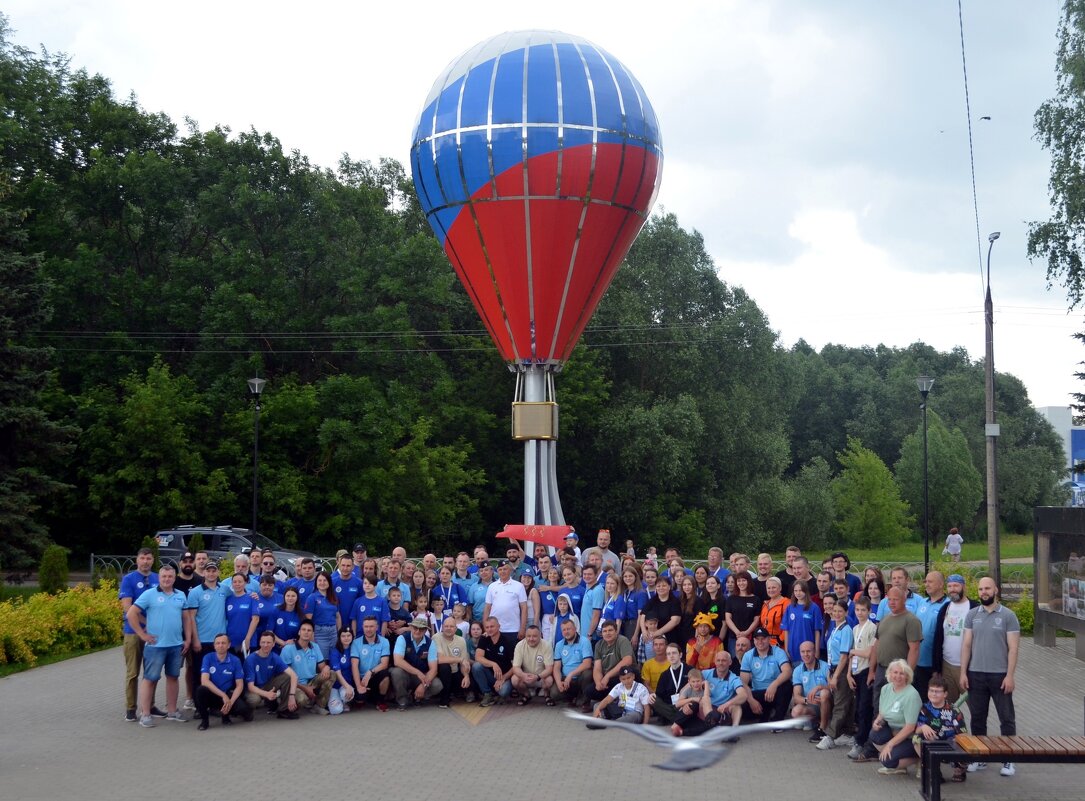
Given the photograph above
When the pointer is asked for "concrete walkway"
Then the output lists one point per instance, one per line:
(64, 737)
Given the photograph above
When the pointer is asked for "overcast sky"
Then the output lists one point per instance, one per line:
(821, 148)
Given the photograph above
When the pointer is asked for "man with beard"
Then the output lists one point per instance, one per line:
(992, 636)
(949, 636)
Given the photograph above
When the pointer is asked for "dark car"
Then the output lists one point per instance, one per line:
(220, 541)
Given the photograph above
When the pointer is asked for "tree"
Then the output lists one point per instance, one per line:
(869, 509)
(955, 487)
(1060, 127)
(29, 440)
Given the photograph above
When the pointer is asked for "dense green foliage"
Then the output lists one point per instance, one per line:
(53, 570)
(180, 263)
(1060, 128)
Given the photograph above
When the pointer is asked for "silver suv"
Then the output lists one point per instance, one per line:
(219, 541)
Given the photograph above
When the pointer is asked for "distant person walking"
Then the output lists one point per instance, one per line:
(954, 541)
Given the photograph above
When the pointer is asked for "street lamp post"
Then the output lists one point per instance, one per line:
(256, 386)
(991, 429)
(925, 382)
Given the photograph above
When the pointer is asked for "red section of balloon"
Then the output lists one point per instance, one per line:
(548, 256)
(542, 535)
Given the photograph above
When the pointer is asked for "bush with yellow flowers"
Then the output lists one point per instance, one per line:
(78, 619)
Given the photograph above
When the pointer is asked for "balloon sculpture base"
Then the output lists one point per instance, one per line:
(535, 422)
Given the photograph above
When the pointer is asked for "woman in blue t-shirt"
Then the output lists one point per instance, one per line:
(339, 662)
(287, 619)
(322, 607)
(548, 602)
(802, 621)
(635, 598)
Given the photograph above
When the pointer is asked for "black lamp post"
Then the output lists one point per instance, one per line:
(925, 382)
(256, 386)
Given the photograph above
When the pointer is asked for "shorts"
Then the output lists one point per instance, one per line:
(155, 658)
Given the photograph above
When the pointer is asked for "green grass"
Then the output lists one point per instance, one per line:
(18, 667)
(1012, 546)
(23, 591)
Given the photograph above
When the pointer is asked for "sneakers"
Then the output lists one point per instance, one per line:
(884, 771)
(856, 751)
(157, 713)
(203, 726)
(176, 717)
(382, 707)
(189, 704)
(442, 705)
(487, 700)
(130, 716)
(826, 742)
(286, 714)
(146, 722)
(816, 736)
(845, 739)
(974, 766)
(471, 698)
(1008, 769)
(319, 710)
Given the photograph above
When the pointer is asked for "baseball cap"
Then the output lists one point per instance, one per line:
(419, 623)
(341, 553)
(484, 564)
(956, 578)
(503, 563)
(572, 536)
(626, 671)
(761, 632)
(358, 546)
(211, 563)
(187, 555)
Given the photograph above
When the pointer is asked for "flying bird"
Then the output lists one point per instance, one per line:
(985, 118)
(691, 753)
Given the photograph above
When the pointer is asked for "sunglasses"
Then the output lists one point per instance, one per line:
(269, 564)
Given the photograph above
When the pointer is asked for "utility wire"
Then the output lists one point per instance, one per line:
(971, 151)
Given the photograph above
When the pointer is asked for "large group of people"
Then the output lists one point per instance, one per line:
(874, 665)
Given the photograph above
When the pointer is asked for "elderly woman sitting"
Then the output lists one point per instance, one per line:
(898, 711)
(701, 650)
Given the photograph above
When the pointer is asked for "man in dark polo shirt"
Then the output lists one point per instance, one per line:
(612, 653)
(492, 669)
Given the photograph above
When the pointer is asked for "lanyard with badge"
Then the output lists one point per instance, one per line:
(674, 695)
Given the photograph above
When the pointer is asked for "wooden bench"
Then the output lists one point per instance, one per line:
(972, 748)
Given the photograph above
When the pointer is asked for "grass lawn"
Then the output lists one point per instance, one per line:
(23, 591)
(1012, 546)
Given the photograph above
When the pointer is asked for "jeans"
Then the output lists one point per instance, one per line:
(484, 678)
(982, 689)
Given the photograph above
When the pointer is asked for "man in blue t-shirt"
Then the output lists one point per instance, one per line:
(315, 677)
(370, 657)
(157, 618)
(572, 657)
(304, 580)
(346, 586)
(206, 612)
(592, 606)
(766, 672)
(726, 692)
(133, 585)
(222, 681)
(812, 696)
(270, 680)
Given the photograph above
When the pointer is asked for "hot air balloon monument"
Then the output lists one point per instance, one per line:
(536, 158)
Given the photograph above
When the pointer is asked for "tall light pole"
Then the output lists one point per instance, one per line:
(925, 382)
(991, 429)
(256, 386)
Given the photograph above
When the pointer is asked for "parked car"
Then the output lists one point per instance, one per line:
(219, 541)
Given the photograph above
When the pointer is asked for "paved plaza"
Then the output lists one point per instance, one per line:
(64, 737)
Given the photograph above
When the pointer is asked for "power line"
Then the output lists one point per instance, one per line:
(971, 152)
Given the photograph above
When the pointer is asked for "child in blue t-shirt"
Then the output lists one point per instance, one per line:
(939, 720)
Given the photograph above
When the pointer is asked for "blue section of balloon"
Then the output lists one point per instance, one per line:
(589, 109)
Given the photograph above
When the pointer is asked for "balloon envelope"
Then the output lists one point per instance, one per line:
(536, 159)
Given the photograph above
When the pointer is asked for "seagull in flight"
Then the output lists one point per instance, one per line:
(691, 753)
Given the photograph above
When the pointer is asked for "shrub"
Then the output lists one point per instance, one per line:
(53, 571)
(195, 543)
(74, 620)
(1025, 612)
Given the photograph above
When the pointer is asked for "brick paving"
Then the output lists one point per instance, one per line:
(63, 736)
